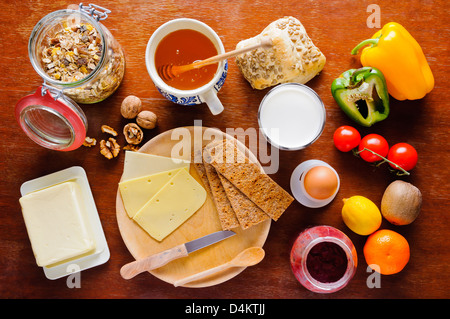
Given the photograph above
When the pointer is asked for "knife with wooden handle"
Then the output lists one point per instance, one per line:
(134, 268)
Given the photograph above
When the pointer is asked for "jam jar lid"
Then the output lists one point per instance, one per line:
(52, 119)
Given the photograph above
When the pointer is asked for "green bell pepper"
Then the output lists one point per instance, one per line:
(362, 94)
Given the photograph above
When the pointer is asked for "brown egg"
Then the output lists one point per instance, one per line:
(320, 182)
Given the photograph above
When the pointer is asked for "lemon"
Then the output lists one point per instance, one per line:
(361, 215)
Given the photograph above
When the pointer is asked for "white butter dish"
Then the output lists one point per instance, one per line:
(101, 253)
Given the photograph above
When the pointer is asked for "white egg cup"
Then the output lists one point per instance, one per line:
(298, 187)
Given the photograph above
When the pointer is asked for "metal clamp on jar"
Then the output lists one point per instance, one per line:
(80, 62)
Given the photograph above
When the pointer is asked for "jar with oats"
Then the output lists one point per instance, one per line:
(75, 53)
(80, 62)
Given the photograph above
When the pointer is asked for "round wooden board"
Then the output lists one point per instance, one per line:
(203, 222)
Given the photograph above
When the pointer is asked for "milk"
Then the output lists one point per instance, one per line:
(292, 116)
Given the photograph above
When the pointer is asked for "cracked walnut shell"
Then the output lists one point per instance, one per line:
(109, 148)
(133, 133)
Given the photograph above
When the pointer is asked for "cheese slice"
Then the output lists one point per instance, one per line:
(140, 164)
(57, 224)
(138, 191)
(178, 200)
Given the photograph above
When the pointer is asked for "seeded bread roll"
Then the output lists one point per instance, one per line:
(292, 58)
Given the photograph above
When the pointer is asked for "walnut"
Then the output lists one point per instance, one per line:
(109, 148)
(89, 141)
(133, 133)
(109, 130)
(147, 119)
(130, 107)
(130, 147)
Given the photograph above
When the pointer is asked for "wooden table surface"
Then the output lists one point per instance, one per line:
(335, 27)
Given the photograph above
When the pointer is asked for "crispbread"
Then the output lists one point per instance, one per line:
(201, 170)
(227, 217)
(247, 212)
(249, 179)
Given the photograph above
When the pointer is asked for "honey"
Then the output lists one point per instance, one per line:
(184, 47)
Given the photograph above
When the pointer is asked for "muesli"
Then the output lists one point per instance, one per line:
(73, 52)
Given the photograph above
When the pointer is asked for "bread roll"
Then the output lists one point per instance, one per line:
(292, 58)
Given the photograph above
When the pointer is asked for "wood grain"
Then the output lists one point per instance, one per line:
(151, 262)
(335, 27)
(205, 221)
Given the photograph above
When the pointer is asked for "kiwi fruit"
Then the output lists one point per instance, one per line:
(401, 203)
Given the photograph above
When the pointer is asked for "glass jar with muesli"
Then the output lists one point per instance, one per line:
(80, 62)
(73, 52)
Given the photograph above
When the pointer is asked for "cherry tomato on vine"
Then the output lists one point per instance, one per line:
(404, 155)
(346, 138)
(375, 143)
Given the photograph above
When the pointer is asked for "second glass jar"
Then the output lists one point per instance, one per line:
(323, 259)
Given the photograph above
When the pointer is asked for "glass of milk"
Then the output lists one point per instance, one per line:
(291, 116)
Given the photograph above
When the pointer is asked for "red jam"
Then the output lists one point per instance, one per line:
(323, 259)
(326, 262)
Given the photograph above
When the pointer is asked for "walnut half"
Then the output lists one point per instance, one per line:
(109, 148)
(109, 130)
(130, 147)
(89, 141)
(133, 133)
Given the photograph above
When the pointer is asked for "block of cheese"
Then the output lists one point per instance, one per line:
(57, 224)
(178, 200)
(140, 164)
(138, 191)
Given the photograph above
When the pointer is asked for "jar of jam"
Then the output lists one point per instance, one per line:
(323, 259)
(80, 62)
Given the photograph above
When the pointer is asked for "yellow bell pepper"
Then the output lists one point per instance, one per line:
(401, 60)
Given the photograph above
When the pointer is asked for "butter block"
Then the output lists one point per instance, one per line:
(57, 224)
(178, 200)
(139, 164)
(137, 192)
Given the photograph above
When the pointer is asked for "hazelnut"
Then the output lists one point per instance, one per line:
(133, 133)
(147, 119)
(130, 107)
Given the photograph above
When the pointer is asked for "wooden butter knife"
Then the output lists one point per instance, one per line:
(134, 268)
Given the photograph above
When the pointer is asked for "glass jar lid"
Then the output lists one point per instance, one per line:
(51, 119)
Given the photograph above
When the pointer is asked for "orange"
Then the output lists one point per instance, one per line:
(386, 251)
